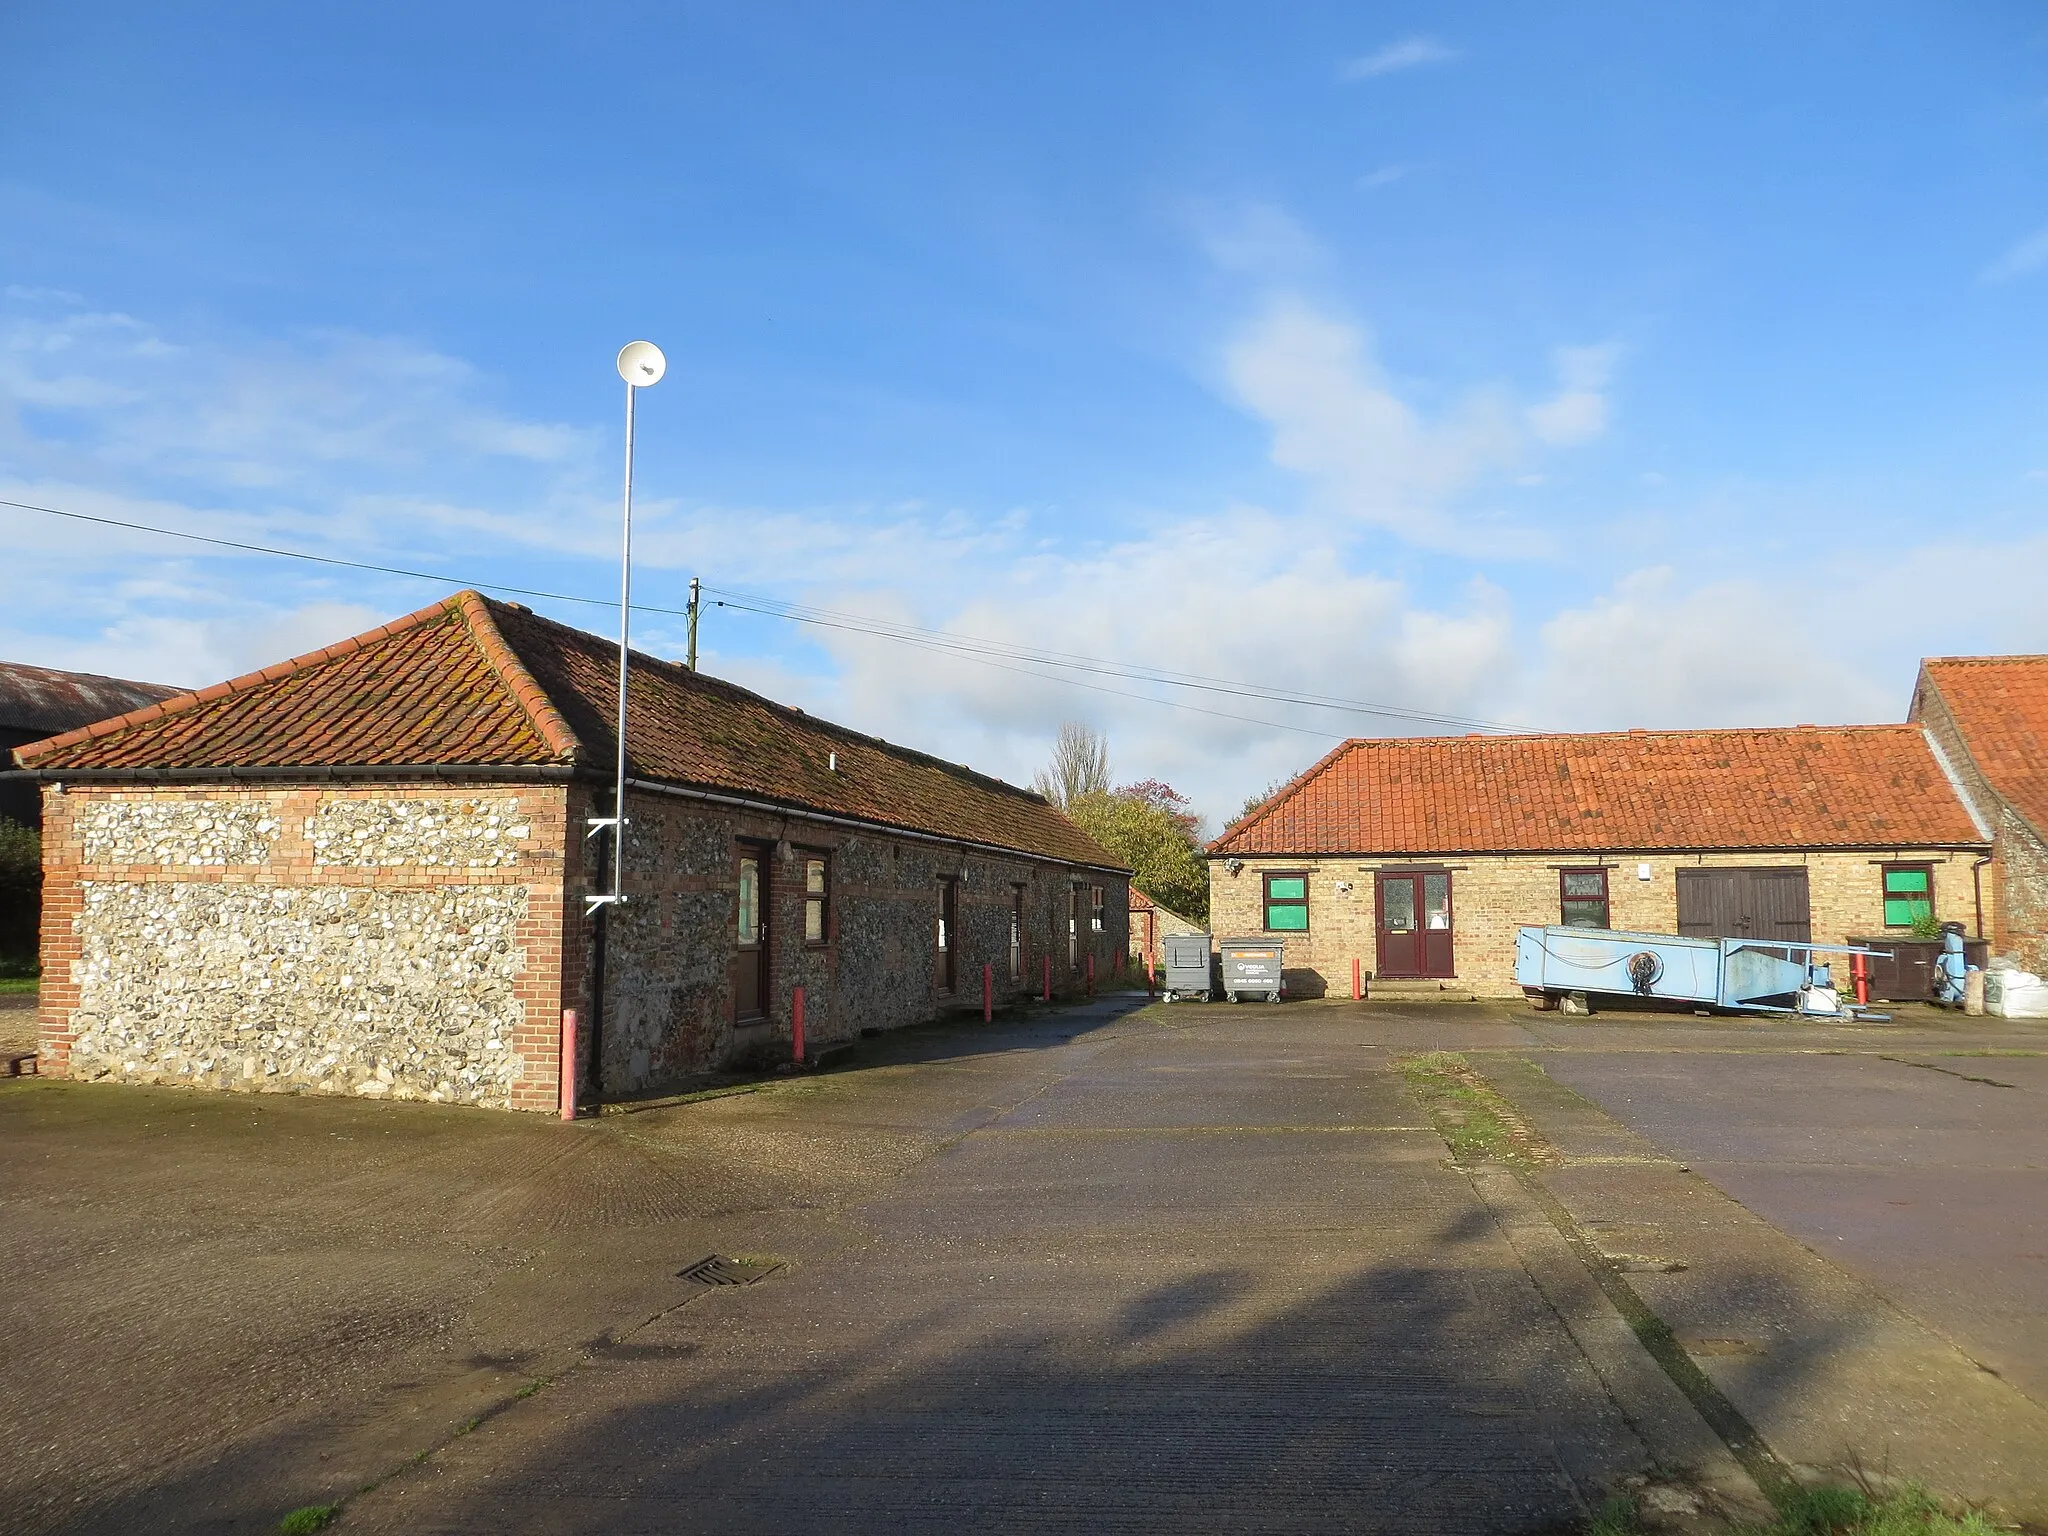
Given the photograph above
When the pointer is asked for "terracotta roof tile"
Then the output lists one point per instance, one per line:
(2000, 704)
(470, 682)
(1796, 787)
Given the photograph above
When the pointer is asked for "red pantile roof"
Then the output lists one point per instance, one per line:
(2000, 704)
(470, 682)
(1875, 786)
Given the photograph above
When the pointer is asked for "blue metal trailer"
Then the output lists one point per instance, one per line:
(1737, 975)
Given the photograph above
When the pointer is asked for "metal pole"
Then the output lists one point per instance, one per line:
(625, 655)
(696, 590)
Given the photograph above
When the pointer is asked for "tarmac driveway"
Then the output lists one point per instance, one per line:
(1924, 1172)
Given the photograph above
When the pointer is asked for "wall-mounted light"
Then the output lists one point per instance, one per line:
(1642, 871)
(1233, 865)
(1343, 887)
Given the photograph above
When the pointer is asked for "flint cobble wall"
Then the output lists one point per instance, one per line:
(2019, 871)
(1494, 895)
(369, 940)
(669, 1005)
(2021, 878)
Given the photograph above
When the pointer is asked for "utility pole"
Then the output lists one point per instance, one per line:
(696, 601)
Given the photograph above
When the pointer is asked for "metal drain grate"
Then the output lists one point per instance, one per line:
(720, 1270)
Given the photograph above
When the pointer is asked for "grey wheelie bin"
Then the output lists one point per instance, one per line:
(1252, 968)
(1188, 970)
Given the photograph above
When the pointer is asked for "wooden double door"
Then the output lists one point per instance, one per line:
(1414, 921)
(1767, 903)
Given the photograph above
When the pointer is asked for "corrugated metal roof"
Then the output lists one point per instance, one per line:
(47, 701)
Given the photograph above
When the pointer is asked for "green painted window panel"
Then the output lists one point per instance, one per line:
(1900, 913)
(1901, 882)
(1293, 887)
(1288, 919)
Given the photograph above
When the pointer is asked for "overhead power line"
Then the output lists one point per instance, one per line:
(970, 645)
(1023, 660)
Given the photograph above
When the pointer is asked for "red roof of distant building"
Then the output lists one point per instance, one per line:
(470, 682)
(1863, 786)
(2000, 704)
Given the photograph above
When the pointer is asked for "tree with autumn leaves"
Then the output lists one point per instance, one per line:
(1147, 825)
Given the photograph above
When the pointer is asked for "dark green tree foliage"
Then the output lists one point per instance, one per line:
(21, 896)
(1148, 826)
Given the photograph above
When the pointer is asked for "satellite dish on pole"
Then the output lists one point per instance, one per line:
(641, 363)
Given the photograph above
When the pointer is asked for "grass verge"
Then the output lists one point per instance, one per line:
(20, 984)
(1909, 1510)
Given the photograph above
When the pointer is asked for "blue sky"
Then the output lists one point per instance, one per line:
(1578, 367)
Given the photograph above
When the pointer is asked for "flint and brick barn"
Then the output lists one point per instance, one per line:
(363, 871)
(1420, 857)
(1990, 715)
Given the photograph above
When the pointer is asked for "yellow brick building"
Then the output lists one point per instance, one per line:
(1415, 860)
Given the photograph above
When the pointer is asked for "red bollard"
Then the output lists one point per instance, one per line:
(1091, 975)
(1859, 968)
(988, 993)
(1354, 978)
(796, 1025)
(568, 1073)
(1151, 981)
(1048, 978)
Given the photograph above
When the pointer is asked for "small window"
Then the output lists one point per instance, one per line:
(1095, 908)
(1908, 894)
(1287, 903)
(1584, 903)
(817, 899)
(1016, 932)
(750, 900)
(1073, 927)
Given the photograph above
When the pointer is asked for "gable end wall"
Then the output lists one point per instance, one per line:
(378, 941)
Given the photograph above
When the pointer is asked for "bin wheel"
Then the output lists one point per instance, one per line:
(1231, 995)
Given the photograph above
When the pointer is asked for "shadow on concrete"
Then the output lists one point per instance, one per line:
(1034, 1026)
(1408, 1397)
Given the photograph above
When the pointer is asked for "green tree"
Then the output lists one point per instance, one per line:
(1257, 802)
(1148, 826)
(21, 896)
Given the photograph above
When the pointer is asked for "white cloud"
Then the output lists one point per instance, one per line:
(2027, 255)
(1407, 53)
(1577, 413)
(398, 449)
(1385, 176)
(1256, 238)
(1375, 460)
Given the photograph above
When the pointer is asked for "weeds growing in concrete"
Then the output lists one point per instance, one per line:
(1474, 1120)
(1907, 1511)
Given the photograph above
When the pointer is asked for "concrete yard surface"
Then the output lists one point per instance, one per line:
(1113, 1268)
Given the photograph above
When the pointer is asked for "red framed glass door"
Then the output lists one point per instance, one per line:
(1414, 922)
